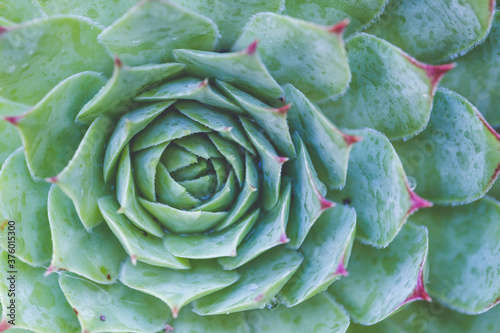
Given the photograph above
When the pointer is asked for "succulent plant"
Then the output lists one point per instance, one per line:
(250, 166)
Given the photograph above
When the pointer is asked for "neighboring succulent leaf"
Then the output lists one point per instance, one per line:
(82, 179)
(260, 281)
(24, 201)
(326, 251)
(477, 75)
(464, 243)
(116, 98)
(113, 308)
(47, 44)
(101, 11)
(390, 91)
(97, 255)
(177, 288)
(309, 56)
(434, 318)
(151, 30)
(244, 69)
(231, 16)
(48, 130)
(325, 12)
(456, 159)
(433, 31)
(377, 188)
(382, 281)
(36, 299)
(268, 233)
(11, 140)
(320, 314)
(189, 322)
(18, 11)
(328, 147)
(139, 245)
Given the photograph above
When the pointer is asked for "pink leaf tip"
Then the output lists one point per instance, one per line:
(3, 29)
(118, 62)
(13, 120)
(133, 259)
(419, 293)
(281, 159)
(4, 326)
(204, 83)
(284, 239)
(50, 270)
(252, 48)
(52, 180)
(434, 72)
(283, 110)
(340, 27)
(175, 312)
(351, 139)
(341, 270)
(416, 202)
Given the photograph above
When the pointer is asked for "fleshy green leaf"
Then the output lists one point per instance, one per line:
(433, 31)
(189, 322)
(149, 31)
(359, 13)
(24, 201)
(113, 308)
(48, 130)
(381, 281)
(230, 16)
(36, 298)
(319, 315)
(223, 198)
(243, 69)
(145, 163)
(175, 158)
(455, 159)
(326, 252)
(377, 188)
(139, 246)
(82, 179)
(328, 147)
(198, 144)
(309, 56)
(96, 255)
(390, 91)
(116, 98)
(18, 11)
(231, 153)
(463, 253)
(268, 233)
(177, 287)
(171, 192)
(478, 73)
(11, 140)
(260, 281)
(66, 43)
(101, 11)
(214, 245)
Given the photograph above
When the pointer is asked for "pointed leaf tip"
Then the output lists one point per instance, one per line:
(283, 110)
(434, 72)
(52, 180)
(204, 83)
(341, 270)
(419, 293)
(282, 159)
(4, 325)
(13, 120)
(252, 48)
(340, 27)
(284, 239)
(175, 312)
(416, 201)
(118, 62)
(50, 270)
(133, 260)
(351, 139)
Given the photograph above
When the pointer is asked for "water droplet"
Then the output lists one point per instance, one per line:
(253, 287)
(412, 183)
(273, 303)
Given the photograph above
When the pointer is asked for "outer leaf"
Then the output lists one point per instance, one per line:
(101, 11)
(230, 16)
(377, 188)
(10, 136)
(116, 98)
(244, 69)
(435, 30)
(390, 91)
(455, 159)
(82, 179)
(95, 302)
(49, 132)
(318, 315)
(306, 55)
(17, 11)
(149, 31)
(24, 201)
(359, 13)
(36, 299)
(214, 245)
(48, 44)
(464, 247)
(269, 233)
(177, 287)
(260, 281)
(189, 322)
(477, 75)
(381, 281)
(326, 252)
(96, 255)
(139, 246)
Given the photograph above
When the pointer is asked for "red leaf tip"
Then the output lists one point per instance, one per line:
(419, 293)
(281, 159)
(434, 72)
(417, 202)
(204, 83)
(4, 325)
(340, 27)
(175, 312)
(52, 180)
(341, 270)
(118, 62)
(284, 109)
(50, 270)
(284, 239)
(252, 48)
(351, 139)
(14, 120)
